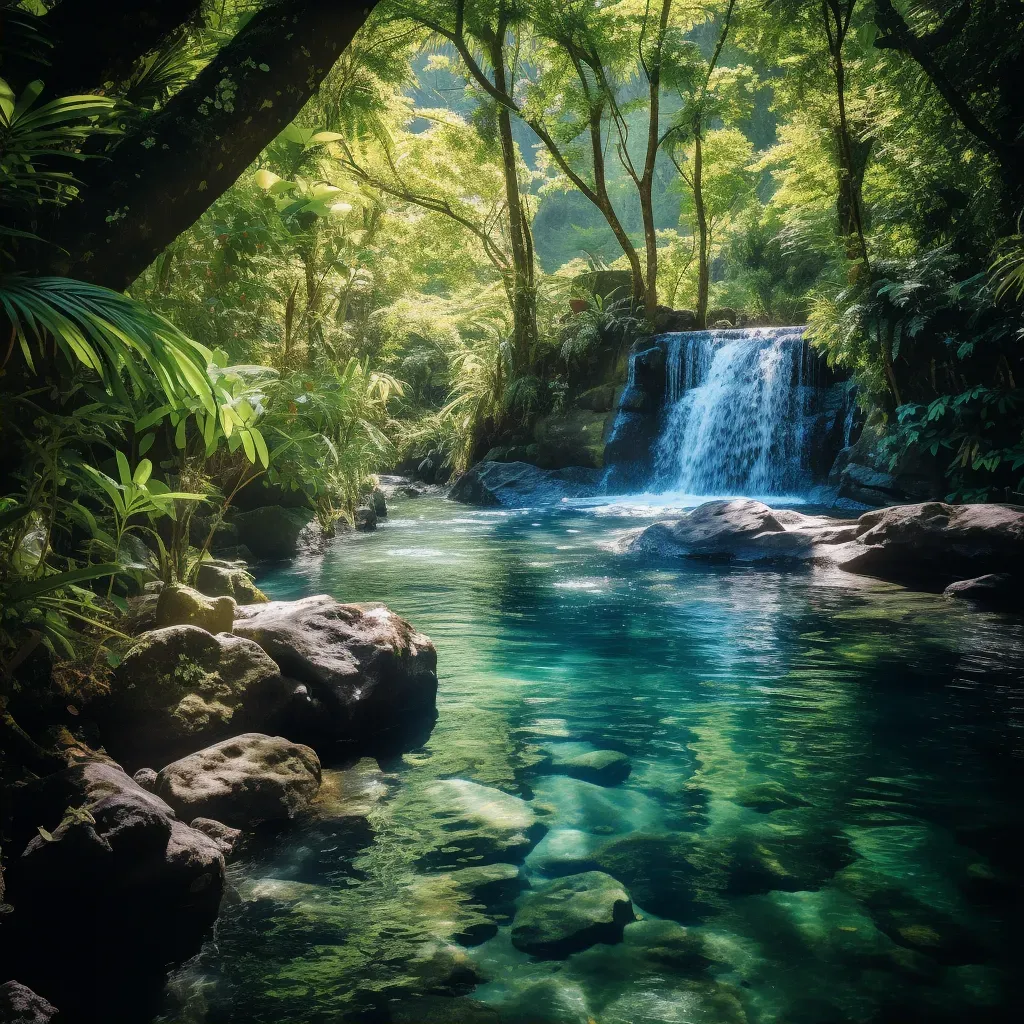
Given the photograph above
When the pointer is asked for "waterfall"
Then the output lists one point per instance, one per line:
(735, 413)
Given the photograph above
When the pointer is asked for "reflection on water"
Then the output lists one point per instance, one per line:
(821, 824)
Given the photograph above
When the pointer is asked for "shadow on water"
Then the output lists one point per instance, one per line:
(821, 819)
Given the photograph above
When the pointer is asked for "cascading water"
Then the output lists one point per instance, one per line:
(735, 414)
(730, 412)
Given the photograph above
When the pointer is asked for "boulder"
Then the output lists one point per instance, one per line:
(603, 767)
(998, 591)
(365, 671)
(366, 518)
(379, 502)
(674, 321)
(721, 315)
(101, 851)
(182, 606)
(273, 533)
(572, 437)
(222, 578)
(571, 914)
(226, 838)
(935, 542)
(20, 1005)
(598, 399)
(518, 483)
(146, 778)
(180, 688)
(243, 780)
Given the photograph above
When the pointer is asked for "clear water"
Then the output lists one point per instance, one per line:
(823, 814)
(735, 416)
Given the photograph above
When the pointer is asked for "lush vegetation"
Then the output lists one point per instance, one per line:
(229, 261)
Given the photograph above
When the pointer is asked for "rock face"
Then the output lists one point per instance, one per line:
(930, 544)
(221, 578)
(365, 671)
(242, 780)
(518, 483)
(183, 606)
(116, 857)
(573, 437)
(274, 533)
(571, 914)
(20, 1005)
(180, 688)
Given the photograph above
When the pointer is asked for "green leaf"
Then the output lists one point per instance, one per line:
(247, 444)
(261, 447)
(123, 469)
(143, 471)
(59, 580)
(146, 443)
(179, 435)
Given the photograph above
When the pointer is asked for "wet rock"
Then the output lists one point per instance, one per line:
(936, 541)
(444, 968)
(179, 688)
(479, 823)
(366, 671)
(223, 578)
(20, 1005)
(350, 792)
(226, 838)
(997, 591)
(183, 606)
(98, 848)
(243, 780)
(926, 545)
(379, 502)
(146, 778)
(602, 767)
(571, 914)
(489, 883)
(517, 483)
(366, 519)
(672, 321)
(273, 533)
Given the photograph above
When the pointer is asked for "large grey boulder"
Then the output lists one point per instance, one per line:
(365, 670)
(571, 914)
(273, 533)
(519, 483)
(935, 541)
(20, 1005)
(243, 780)
(181, 688)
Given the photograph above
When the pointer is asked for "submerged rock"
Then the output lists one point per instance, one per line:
(443, 1010)
(180, 688)
(242, 780)
(602, 767)
(551, 1001)
(183, 606)
(478, 823)
(20, 1005)
(519, 483)
(365, 670)
(571, 914)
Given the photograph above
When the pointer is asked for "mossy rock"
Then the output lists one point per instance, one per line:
(182, 606)
(217, 578)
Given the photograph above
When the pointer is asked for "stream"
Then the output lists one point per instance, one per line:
(821, 823)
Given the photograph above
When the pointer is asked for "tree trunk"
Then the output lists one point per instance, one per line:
(164, 175)
(524, 288)
(703, 260)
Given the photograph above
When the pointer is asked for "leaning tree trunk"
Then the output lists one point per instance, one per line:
(168, 171)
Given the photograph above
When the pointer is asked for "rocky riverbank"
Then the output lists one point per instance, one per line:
(223, 712)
